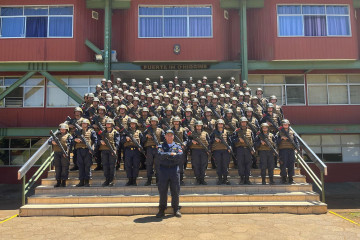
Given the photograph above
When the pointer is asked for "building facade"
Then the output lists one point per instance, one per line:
(305, 52)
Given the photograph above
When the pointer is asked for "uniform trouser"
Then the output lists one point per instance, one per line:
(118, 160)
(108, 162)
(84, 163)
(169, 176)
(266, 162)
(244, 161)
(75, 157)
(222, 160)
(98, 155)
(61, 166)
(199, 161)
(183, 162)
(132, 162)
(287, 160)
(151, 159)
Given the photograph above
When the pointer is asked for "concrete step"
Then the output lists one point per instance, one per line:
(187, 208)
(188, 173)
(190, 189)
(122, 180)
(154, 198)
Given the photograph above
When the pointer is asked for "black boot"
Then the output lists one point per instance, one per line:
(283, 180)
(291, 180)
(63, 183)
(247, 180)
(98, 168)
(129, 183)
(198, 181)
(219, 182)
(271, 180)
(134, 182)
(254, 165)
(148, 182)
(106, 183)
(177, 213)
(156, 180)
(111, 182)
(161, 213)
(74, 168)
(263, 180)
(182, 183)
(226, 181)
(58, 183)
(81, 183)
(242, 180)
(117, 166)
(202, 181)
(87, 183)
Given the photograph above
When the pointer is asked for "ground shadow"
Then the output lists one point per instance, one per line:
(149, 219)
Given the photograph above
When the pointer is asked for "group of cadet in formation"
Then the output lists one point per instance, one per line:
(160, 126)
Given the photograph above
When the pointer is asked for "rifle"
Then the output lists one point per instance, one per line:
(103, 136)
(217, 115)
(217, 133)
(257, 116)
(245, 139)
(208, 124)
(268, 117)
(235, 114)
(227, 122)
(291, 140)
(197, 139)
(175, 133)
(138, 145)
(266, 140)
(78, 132)
(59, 144)
(151, 131)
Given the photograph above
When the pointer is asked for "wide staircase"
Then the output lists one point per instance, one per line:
(298, 198)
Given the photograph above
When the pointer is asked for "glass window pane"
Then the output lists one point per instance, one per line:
(200, 27)
(331, 150)
(151, 27)
(60, 26)
(338, 95)
(4, 143)
(175, 27)
(20, 143)
(273, 79)
(11, 11)
(200, 10)
(354, 78)
(36, 27)
(332, 157)
(41, 10)
(290, 9)
(55, 97)
(312, 140)
(33, 96)
(2, 101)
(295, 94)
(61, 10)
(12, 27)
(314, 26)
(256, 79)
(150, 11)
(95, 81)
(80, 90)
(79, 81)
(274, 90)
(175, 10)
(294, 79)
(291, 26)
(19, 157)
(350, 139)
(34, 82)
(342, 10)
(10, 80)
(4, 157)
(337, 79)
(351, 154)
(338, 25)
(317, 95)
(355, 94)
(313, 9)
(316, 79)
(330, 140)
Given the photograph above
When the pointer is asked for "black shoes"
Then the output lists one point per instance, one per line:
(87, 184)
(81, 183)
(202, 181)
(148, 182)
(219, 181)
(283, 180)
(129, 183)
(161, 213)
(226, 181)
(291, 180)
(263, 181)
(58, 183)
(63, 183)
(177, 214)
(106, 183)
(271, 180)
(242, 180)
(247, 180)
(74, 168)
(134, 182)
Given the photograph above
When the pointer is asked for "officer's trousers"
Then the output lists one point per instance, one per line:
(287, 160)
(132, 162)
(61, 166)
(266, 162)
(169, 176)
(151, 159)
(84, 163)
(199, 162)
(222, 160)
(244, 161)
(108, 162)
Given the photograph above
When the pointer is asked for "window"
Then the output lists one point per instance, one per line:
(16, 152)
(81, 84)
(313, 20)
(335, 147)
(36, 22)
(289, 89)
(175, 21)
(333, 89)
(29, 94)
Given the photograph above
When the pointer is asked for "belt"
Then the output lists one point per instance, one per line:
(81, 148)
(131, 148)
(168, 166)
(151, 146)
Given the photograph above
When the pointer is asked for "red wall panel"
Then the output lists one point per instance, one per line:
(56, 49)
(131, 48)
(265, 45)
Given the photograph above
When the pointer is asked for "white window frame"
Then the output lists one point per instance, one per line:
(283, 87)
(327, 84)
(325, 14)
(48, 16)
(187, 16)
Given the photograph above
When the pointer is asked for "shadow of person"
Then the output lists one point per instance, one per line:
(149, 219)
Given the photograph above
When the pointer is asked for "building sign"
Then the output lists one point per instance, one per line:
(194, 66)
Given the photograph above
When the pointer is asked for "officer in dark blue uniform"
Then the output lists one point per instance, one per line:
(170, 155)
